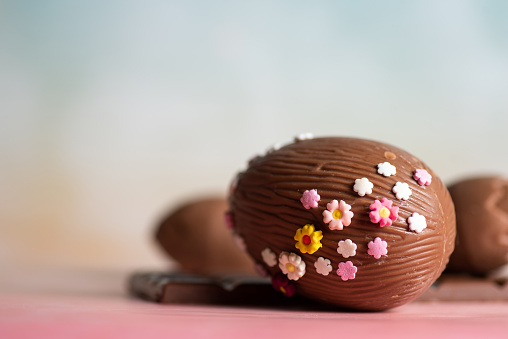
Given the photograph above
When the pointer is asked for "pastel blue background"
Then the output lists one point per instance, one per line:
(112, 112)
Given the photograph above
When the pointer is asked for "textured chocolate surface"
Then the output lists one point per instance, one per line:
(267, 212)
(196, 236)
(481, 205)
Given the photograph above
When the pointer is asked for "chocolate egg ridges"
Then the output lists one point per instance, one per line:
(267, 211)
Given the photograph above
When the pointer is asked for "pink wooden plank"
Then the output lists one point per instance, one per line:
(55, 316)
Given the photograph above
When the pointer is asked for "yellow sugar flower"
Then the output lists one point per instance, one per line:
(309, 240)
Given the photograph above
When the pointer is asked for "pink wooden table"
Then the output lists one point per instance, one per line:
(83, 305)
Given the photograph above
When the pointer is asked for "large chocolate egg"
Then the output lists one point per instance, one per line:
(481, 205)
(350, 222)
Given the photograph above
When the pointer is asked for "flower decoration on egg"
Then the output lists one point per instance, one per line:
(239, 242)
(228, 219)
(363, 186)
(417, 222)
(383, 212)
(269, 257)
(337, 215)
(310, 199)
(323, 266)
(308, 239)
(281, 283)
(422, 176)
(347, 248)
(274, 147)
(304, 136)
(347, 270)
(402, 190)
(261, 270)
(292, 265)
(377, 248)
(386, 169)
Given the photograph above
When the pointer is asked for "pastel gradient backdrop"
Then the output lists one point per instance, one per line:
(112, 112)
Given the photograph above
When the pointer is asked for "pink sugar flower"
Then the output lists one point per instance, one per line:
(239, 242)
(377, 248)
(228, 218)
(422, 176)
(337, 215)
(347, 270)
(383, 212)
(310, 199)
(292, 265)
(261, 270)
(347, 248)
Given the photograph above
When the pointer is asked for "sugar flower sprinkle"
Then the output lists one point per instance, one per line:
(261, 270)
(383, 212)
(377, 248)
(363, 186)
(308, 239)
(269, 257)
(239, 242)
(386, 169)
(337, 215)
(402, 190)
(422, 176)
(281, 283)
(228, 219)
(323, 266)
(304, 136)
(310, 199)
(347, 270)
(417, 222)
(347, 248)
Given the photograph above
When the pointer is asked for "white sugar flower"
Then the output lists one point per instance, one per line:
(239, 242)
(386, 169)
(402, 190)
(347, 248)
(417, 222)
(261, 270)
(323, 266)
(304, 136)
(292, 265)
(363, 186)
(269, 257)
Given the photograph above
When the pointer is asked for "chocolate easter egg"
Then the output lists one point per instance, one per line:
(349, 222)
(196, 236)
(481, 205)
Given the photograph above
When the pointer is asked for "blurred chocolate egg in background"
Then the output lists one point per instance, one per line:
(481, 205)
(196, 236)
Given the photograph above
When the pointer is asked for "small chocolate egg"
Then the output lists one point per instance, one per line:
(197, 237)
